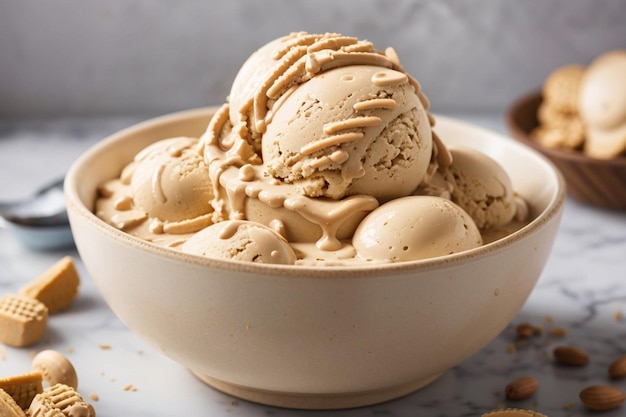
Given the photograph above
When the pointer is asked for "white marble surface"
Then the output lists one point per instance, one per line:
(582, 289)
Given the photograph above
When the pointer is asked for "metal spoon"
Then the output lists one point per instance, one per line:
(45, 208)
(40, 221)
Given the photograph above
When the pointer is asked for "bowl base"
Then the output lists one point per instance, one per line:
(315, 401)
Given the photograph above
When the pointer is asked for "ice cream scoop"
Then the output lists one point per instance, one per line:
(415, 227)
(170, 180)
(351, 130)
(602, 103)
(481, 187)
(242, 241)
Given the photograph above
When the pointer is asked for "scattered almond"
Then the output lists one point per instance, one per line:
(524, 330)
(572, 356)
(617, 369)
(602, 397)
(521, 388)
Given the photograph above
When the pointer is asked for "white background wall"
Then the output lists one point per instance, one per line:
(112, 57)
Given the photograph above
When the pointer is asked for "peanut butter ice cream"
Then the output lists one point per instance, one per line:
(322, 138)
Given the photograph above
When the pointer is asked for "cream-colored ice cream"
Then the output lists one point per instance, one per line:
(169, 180)
(602, 104)
(330, 118)
(350, 130)
(481, 187)
(163, 195)
(241, 240)
(415, 227)
(322, 136)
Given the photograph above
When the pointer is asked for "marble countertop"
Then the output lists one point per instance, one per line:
(582, 290)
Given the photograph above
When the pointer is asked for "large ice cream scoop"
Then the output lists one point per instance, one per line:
(242, 241)
(357, 129)
(602, 104)
(276, 68)
(416, 227)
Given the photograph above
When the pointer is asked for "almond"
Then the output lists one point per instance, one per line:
(524, 330)
(572, 356)
(617, 369)
(521, 388)
(601, 397)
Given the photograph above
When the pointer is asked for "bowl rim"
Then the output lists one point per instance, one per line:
(524, 137)
(76, 207)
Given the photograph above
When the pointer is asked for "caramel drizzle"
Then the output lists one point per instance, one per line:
(337, 157)
(304, 56)
(325, 60)
(327, 219)
(355, 122)
(216, 125)
(157, 189)
(188, 226)
(299, 39)
(334, 140)
(375, 103)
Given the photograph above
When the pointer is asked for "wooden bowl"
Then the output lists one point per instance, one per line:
(599, 182)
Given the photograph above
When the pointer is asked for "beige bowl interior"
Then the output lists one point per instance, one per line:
(310, 337)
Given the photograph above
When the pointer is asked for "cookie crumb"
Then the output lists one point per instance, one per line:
(524, 330)
(105, 346)
(510, 348)
(94, 396)
(558, 332)
(127, 387)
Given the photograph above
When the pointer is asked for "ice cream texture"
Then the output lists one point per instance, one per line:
(323, 154)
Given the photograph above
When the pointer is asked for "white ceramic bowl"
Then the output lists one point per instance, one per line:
(309, 337)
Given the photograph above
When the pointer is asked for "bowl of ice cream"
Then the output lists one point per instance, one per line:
(313, 287)
(578, 121)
